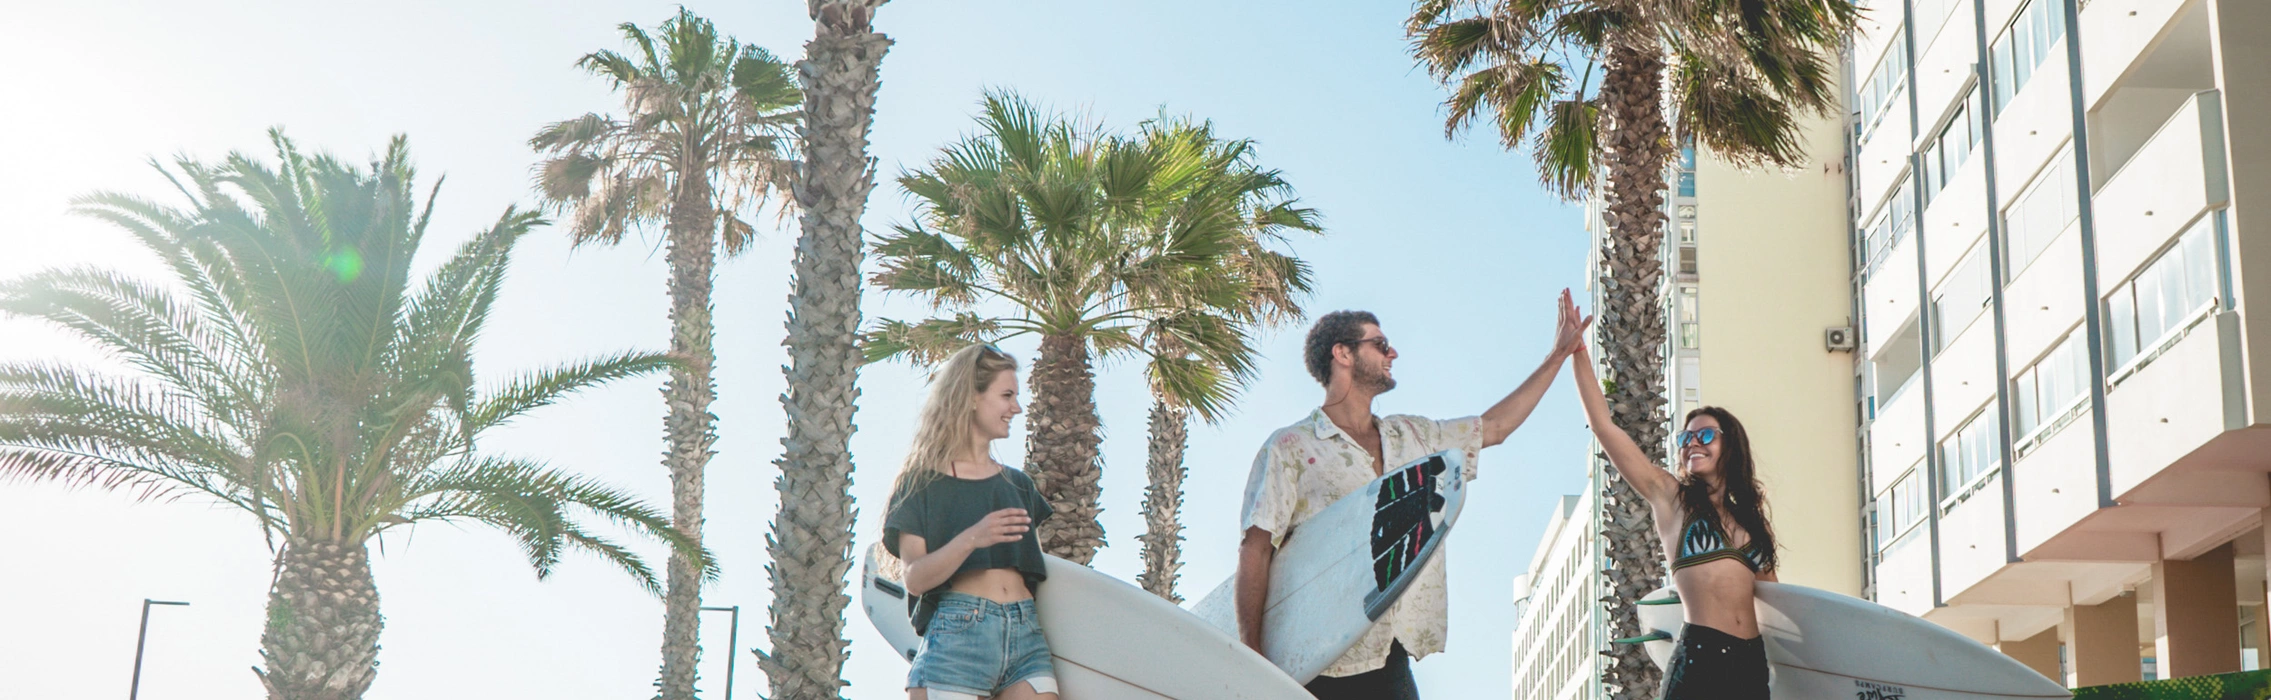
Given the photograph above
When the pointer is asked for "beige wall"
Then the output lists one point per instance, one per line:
(1772, 276)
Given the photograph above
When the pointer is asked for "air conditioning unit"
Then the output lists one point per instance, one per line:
(1839, 339)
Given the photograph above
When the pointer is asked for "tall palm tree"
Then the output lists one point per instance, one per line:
(1229, 186)
(289, 370)
(1740, 72)
(811, 541)
(703, 140)
(1042, 220)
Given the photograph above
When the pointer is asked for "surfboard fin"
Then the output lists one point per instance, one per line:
(1656, 636)
(1673, 599)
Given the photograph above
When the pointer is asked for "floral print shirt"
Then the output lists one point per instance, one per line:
(1308, 465)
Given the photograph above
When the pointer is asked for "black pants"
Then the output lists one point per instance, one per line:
(1714, 665)
(1390, 682)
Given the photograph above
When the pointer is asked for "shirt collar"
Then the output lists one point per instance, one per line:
(1326, 429)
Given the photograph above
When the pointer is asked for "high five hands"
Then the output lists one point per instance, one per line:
(1569, 330)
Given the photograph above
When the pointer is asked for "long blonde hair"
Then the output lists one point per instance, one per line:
(943, 433)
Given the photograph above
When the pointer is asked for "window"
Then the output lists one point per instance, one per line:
(2037, 218)
(1687, 260)
(1687, 171)
(2165, 296)
(1885, 81)
(1892, 225)
(1950, 149)
(1900, 508)
(1931, 15)
(1960, 298)
(1969, 452)
(1687, 233)
(2017, 54)
(2043, 391)
(1691, 334)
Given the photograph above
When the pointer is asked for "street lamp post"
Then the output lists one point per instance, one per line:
(134, 692)
(732, 642)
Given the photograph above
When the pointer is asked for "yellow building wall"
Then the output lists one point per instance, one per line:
(1773, 274)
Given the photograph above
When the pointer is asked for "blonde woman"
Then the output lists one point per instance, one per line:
(963, 525)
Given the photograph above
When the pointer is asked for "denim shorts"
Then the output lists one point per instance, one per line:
(979, 647)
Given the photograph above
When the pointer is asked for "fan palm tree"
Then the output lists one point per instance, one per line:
(1741, 73)
(1044, 221)
(1229, 186)
(289, 370)
(811, 541)
(703, 140)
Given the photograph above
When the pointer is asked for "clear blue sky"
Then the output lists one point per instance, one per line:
(1451, 242)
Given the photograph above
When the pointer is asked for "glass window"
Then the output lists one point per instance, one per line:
(1884, 83)
(2041, 214)
(2019, 52)
(2026, 402)
(2165, 296)
(1960, 299)
(1971, 451)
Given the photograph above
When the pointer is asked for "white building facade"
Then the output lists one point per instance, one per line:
(1558, 631)
(2062, 245)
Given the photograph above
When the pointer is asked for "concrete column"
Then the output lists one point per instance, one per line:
(2101, 642)
(2039, 652)
(2197, 629)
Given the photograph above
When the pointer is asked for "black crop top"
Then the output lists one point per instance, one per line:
(941, 507)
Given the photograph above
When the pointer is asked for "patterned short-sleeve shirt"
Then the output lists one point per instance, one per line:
(1308, 465)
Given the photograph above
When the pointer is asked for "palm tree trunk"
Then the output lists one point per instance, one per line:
(1163, 500)
(1061, 437)
(321, 642)
(689, 427)
(811, 541)
(1636, 147)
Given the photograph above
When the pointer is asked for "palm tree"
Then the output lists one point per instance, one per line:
(1047, 219)
(1741, 74)
(289, 370)
(1231, 187)
(811, 541)
(703, 139)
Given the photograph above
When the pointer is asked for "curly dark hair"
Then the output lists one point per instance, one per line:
(1332, 330)
(1746, 499)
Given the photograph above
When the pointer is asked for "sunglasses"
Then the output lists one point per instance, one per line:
(1379, 342)
(1699, 436)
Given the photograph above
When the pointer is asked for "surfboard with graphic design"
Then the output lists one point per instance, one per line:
(1111, 640)
(1339, 571)
(1827, 645)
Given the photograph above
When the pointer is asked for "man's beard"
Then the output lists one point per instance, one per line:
(1373, 379)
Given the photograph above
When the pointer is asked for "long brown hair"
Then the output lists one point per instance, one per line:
(1739, 475)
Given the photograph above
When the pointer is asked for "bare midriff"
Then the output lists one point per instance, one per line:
(997, 585)
(1715, 594)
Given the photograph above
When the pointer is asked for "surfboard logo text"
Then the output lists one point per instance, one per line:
(1866, 690)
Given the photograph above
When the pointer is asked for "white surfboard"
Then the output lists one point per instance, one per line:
(1826, 645)
(1343, 568)
(1112, 640)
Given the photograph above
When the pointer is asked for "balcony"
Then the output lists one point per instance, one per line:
(1945, 66)
(1890, 293)
(2033, 127)
(2116, 32)
(1904, 577)
(2055, 482)
(2045, 299)
(1880, 25)
(1956, 218)
(1896, 438)
(2175, 176)
(1884, 156)
(1963, 375)
(2182, 392)
(1971, 536)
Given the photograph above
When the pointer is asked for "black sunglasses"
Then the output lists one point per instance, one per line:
(1699, 436)
(1380, 342)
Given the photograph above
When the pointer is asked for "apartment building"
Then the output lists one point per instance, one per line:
(1558, 628)
(2060, 249)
